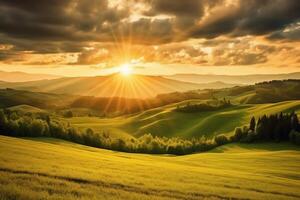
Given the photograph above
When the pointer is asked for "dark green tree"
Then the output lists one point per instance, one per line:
(3, 120)
(252, 124)
(295, 122)
(68, 114)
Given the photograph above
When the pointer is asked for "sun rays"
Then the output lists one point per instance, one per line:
(120, 92)
(125, 69)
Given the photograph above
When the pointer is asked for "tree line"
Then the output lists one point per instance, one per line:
(42, 125)
(275, 127)
(280, 127)
(204, 107)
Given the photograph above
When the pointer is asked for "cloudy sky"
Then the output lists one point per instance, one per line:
(90, 37)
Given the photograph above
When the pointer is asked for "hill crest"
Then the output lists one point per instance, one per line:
(116, 85)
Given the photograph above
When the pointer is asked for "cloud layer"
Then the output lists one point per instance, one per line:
(200, 32)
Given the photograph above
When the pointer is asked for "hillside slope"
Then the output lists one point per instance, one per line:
(54, 169)
(134, 86)
(10, 97)
(267, 92)
(164, 121)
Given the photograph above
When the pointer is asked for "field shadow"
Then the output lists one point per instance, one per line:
(263, 146)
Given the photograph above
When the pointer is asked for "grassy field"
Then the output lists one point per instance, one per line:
(164, 121)
(55, 169)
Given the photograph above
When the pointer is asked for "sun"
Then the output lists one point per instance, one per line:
(125, 69)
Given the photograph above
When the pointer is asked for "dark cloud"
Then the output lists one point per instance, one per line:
(149, 31)
(58, 26)
(291, 33)
(249, 17)
(186, 12)
(95, 20)
(177, 8)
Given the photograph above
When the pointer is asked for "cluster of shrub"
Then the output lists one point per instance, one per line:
(275, 127)
(204, 107)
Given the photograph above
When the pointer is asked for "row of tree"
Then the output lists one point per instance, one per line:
(275, 127)
(41, 125)
(282, 127)
(204, 107)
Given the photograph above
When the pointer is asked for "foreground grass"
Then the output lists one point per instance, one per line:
(55, 169)
(164, 121)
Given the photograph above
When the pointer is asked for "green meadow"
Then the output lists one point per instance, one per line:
(44, 168)
(164, 121)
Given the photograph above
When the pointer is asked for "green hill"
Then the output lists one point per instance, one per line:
(11, 97)
(265, 92)
(55, 169)
(164, 121)
(159, 117)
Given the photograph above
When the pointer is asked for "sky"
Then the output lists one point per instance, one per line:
(95, 37)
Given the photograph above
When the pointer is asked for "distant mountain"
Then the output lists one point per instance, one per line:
(23, 77)
(233, 79)
(116, 85)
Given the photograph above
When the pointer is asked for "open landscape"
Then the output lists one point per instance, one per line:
(160, 99)
(40, 167)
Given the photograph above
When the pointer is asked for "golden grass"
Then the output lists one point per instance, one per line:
(55, 169)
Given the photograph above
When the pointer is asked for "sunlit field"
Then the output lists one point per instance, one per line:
(164, 121)
(55, 169)
(149, 100)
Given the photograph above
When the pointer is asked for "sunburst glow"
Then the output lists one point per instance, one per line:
(125, 69)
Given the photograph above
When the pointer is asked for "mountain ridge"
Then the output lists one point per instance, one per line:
(17, 76)
(233, 79)
(115, 85)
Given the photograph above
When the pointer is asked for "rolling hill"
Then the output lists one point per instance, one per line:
(134, 86)
(264, 92)
(255, 100)
(160, 118)
(11, 97)
(164, 121)
(44, 168)
(23, 77)
(233, 79)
